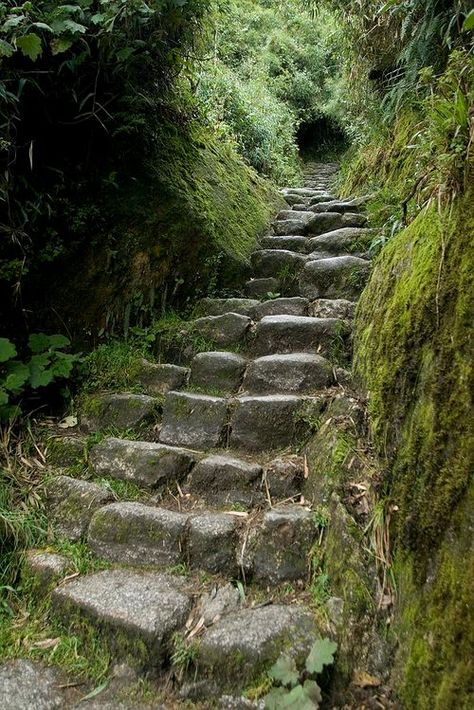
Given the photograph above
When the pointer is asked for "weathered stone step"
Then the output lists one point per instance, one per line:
(291, 243)
(339, 277)
(137, 612)
(226, 330)
(221, 306)
(295, 306)
(71, 503)
(265, 422)
(137, 534)
(158, 379)
(146, 464)
(339, 240)
(218, 371)
(290, 334)
(330, 221)
(118, 411)
(232, 653)
(194, 420)
(337, 206)
(301, 191)
(262, 287)
(303, 216)
(296, 226)
(226, 480)
(332, 308)
(295, 372)
(277, 262)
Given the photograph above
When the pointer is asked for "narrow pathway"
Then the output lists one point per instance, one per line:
(224, 482)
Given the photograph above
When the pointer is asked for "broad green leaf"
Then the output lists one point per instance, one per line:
(58, 341)
(468, 23)
(13, 22)
(38, 342)
(6, 49)
(7, 350)
(17, 375)
(41, 360)
(274, 698)
(285, 671)
(74, 27)
(62, 368)
(60, 45)
(39, 377)
(30, 46)
(313, 691)
(322, 654)
(42, 26)
(3, 397)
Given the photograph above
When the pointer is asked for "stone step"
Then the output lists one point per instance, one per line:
(125, 411)
(295, 306)
(136, 534)
(292, 199)
(330, 221)
(293, 244)
(158, 379)
(303, 215)
(342, 206)
(218, 371)
(221, 306)
(265, 422)
(339, 240)
(301, 191)
(232, 653)
(194, 420)
(296, 372)
(295, 226)
(226, 330)
(281, 263)
(141, 462)
(227, 480)
(71, 503)
(332, 308)
(290, 334)
(137, 612)
(262, 287)
(278, 549)
(339, 277)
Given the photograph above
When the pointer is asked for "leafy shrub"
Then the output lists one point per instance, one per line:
(298, 689)
(47, 363)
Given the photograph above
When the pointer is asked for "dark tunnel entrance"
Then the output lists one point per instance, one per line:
(321, 139)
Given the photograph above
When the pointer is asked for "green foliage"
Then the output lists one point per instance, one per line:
(47, 363)
(298, 689)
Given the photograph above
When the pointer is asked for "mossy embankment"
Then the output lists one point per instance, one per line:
(414, 355)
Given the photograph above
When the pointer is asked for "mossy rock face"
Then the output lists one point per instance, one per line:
(414, 353)
(66, 451)
(72, 503)
(435, 621)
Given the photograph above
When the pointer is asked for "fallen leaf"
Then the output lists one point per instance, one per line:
(68, 422)
(362, 679)
(47, 643)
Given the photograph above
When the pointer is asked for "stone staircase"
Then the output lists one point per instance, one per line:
(223, 479)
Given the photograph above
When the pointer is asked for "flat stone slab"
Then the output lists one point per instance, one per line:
(262, 287)
(212, 543)
(328, 221)
(287, 334)
(143, 463)
(137, 534)
(118, 411)
(225, 479)
(194, 420)
(263, 423)
(158, 379)
(337, 206)
(342, 240)
(225, 330)
(333, 308)
(137, 612)
(218, 371)
(240, 646)
(220, 306)
(25, 685)
(45, 567)
(277, 262)
(295, 306)
(290, 215)
(339, 277)
(71, 504)
(295, 372)
(294, 244)
(280, 548)
(300, 191)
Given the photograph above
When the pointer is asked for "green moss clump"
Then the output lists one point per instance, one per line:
(414, 353)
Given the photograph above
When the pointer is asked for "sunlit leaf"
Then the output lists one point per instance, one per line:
(285, 671)
(321, 654)
(30, 46)
(7, 350)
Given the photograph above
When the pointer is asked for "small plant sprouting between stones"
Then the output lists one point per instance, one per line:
(298, 689)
